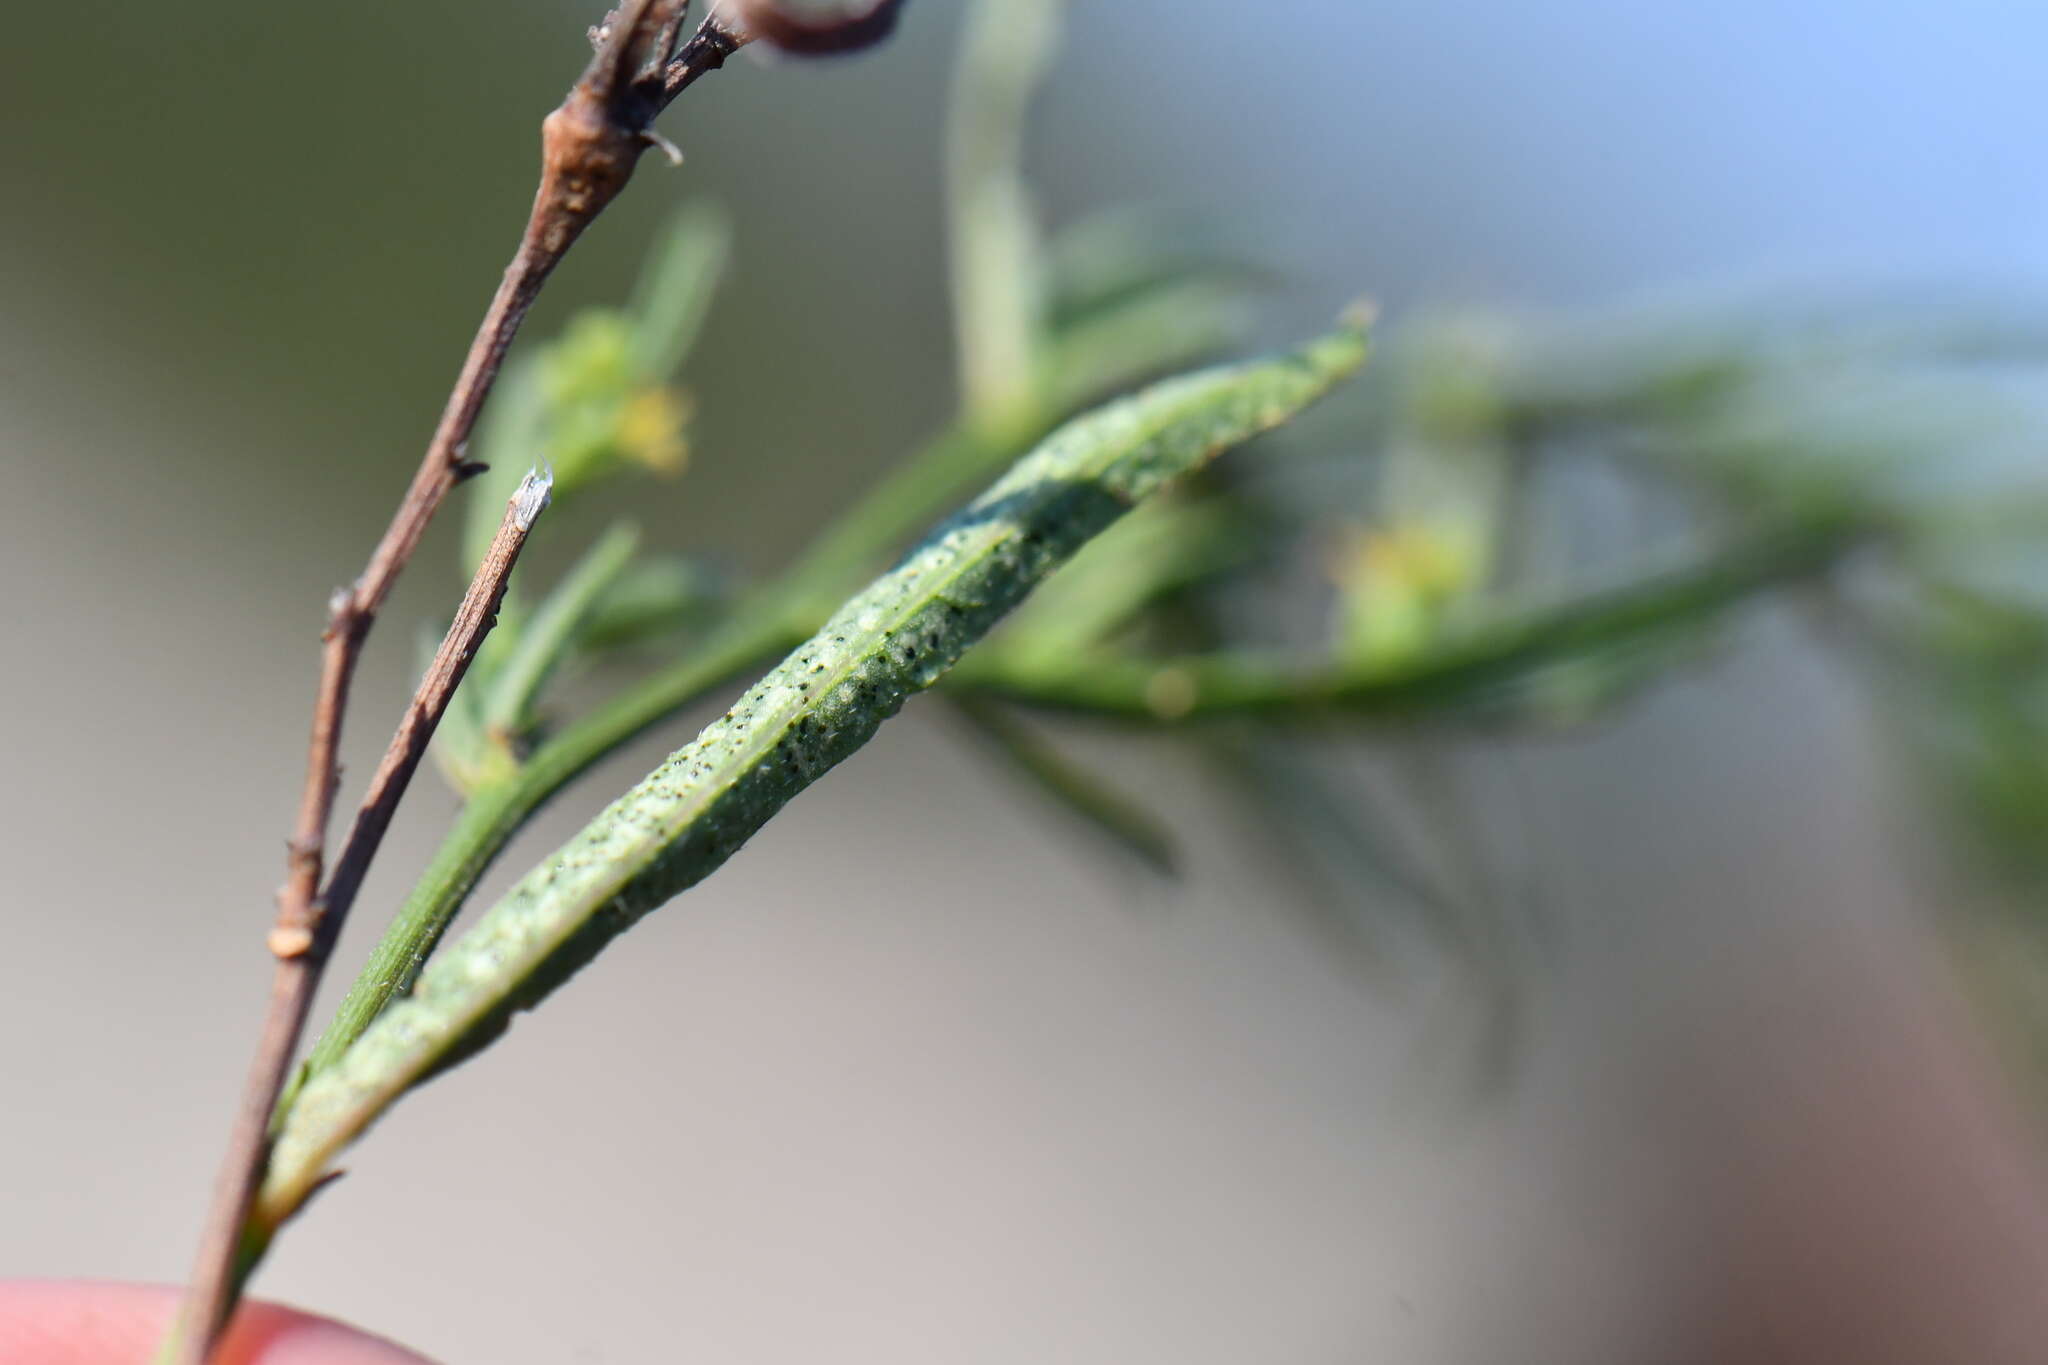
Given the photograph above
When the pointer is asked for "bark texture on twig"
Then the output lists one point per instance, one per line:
(301, 942)
(590, 146)
(473, 620)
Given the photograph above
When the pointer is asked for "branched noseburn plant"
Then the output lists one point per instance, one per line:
(894, 639)
(1101, 537)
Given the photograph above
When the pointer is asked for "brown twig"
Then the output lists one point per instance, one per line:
(590, 146)
(302, 945)
(473, 620)
(706, 51)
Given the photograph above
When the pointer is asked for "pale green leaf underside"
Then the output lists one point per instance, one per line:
(822, 703)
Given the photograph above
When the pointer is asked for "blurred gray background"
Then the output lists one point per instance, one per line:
(917, 1077)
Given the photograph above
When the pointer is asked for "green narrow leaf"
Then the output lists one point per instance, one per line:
(657, 596)
(1116, 254)
(1162, 548)
(1118, 819)
(1006, 49)
(820, 705)
(671, 302)
(1338, 842)
(1471, 669)
(1151, 333)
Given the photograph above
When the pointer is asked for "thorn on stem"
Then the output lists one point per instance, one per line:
(663, 145)
(322, 1183)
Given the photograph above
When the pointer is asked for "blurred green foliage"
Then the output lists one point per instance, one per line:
(1520, 525)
